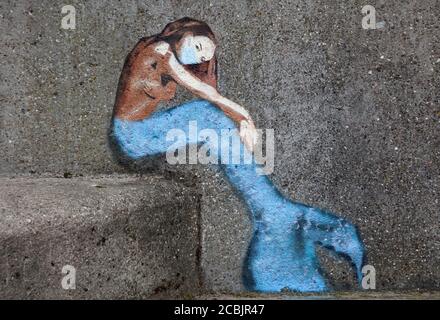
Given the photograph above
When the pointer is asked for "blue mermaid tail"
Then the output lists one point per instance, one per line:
(282, 253)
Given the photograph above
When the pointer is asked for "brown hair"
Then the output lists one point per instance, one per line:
(173, 33)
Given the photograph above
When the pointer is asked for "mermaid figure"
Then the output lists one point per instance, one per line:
(282, 251)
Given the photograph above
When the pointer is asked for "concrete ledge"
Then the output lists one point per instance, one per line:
(127, 237)
(343, 295)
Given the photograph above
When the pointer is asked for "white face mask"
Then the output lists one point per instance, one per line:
(195, 50)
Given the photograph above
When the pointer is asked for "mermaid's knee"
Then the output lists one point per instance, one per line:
(206, 114)
(216, 116)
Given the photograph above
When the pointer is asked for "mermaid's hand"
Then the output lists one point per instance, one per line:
(248, 134)
(162, 48)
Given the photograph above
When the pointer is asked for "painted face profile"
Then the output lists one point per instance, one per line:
(195, 49)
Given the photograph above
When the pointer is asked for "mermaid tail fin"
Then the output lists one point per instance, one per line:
(334, 234)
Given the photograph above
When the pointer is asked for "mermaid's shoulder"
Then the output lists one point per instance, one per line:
(144, 46)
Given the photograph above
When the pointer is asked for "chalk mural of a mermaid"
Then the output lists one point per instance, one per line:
(282, 251)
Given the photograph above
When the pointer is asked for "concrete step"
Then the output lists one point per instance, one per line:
(126, 237)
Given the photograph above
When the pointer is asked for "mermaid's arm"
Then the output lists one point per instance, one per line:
(205, 91)
(236, 112)
(248, 132)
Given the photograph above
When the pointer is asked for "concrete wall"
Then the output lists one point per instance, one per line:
(355, 112)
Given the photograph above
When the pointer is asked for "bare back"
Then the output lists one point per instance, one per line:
(144, 82)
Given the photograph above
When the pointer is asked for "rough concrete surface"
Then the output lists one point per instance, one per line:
(126, 237)
(356, 114)
(341, 295)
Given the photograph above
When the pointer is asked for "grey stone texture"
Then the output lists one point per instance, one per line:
(356, 115)
(122, 240)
